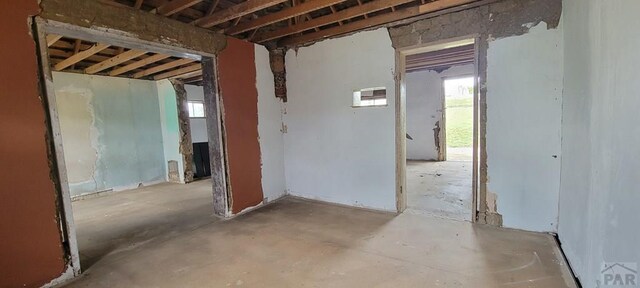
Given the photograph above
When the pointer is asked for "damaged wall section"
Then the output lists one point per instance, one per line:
(111, 132)
(540, 89)
(184, 124)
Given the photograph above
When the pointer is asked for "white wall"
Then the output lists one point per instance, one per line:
(334, 152)
(170, 127)
(111, 132)
(524, 109)
(424, 109)
(600, 170)
(269, 129)
(198, 125)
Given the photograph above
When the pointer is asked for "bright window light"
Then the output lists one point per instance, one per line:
(196, 109)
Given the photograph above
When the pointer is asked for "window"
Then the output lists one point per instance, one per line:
(376, 96)
(196, 109)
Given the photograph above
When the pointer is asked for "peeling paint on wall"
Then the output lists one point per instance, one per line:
(80, 136)
(114, 131)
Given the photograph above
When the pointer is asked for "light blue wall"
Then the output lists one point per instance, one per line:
(599, 195)
(126, 132)
(170, 128)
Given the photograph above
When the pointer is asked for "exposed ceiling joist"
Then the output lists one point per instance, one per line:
(195, 79)
(178, 72)
(373, 21)
(52, 39)
(284, 14)
(113, 61)
(135, 65)
(138, 4)
(175, 6)
(189, 74)
(235, 11)
(162, 67)
(345, 14)
(80, 56)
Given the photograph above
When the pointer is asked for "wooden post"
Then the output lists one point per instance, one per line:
(216, 144)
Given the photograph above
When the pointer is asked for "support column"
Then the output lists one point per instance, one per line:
(216, 141)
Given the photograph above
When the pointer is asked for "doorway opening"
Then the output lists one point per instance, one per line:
(438, 104)
(118, 117)
(458, 120)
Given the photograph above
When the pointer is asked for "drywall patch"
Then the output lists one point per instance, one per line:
(80, 136)
(174, 171)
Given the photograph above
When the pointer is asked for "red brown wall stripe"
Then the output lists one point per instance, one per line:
(30, 249)
(237, 75)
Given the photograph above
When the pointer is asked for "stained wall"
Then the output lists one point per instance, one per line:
(111, 132)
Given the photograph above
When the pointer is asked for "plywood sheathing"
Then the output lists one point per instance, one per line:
(132, 23)
(186, 146)
(489, 22)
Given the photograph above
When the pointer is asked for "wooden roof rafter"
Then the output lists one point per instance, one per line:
(287, 22)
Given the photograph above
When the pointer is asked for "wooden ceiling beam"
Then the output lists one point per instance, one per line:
(373, 21)
(189, 74)
(113, 61)
(80, 56)
(235, 11)
(138, 4)
(135, 65)
(284, 14)
(189, 12)
(195, 79)
(175, 6)
(213, 7)
(178, 72)
(52, 39)
(162, 67)
(341, 15)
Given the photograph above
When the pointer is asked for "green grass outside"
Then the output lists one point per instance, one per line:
(459, 122)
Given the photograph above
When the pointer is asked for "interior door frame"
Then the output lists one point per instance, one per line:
(40, 28)
(401, 117)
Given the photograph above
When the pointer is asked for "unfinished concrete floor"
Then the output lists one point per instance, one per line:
(441, 189)
(164, 236)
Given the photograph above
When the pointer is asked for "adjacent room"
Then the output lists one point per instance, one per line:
(440, 130)
(127, 148)
(319, 143)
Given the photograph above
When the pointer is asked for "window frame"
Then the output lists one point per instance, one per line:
(357, 95)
